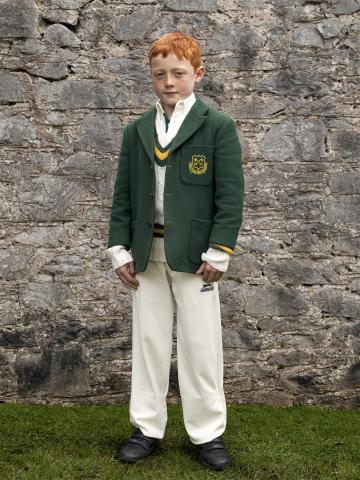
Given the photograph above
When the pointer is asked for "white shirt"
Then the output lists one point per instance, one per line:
(118, 255)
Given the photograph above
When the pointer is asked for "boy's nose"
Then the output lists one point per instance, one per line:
(169, 80)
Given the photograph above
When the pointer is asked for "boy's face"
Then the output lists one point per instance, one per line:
(173, 79)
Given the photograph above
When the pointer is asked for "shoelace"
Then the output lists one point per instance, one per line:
(139, 438)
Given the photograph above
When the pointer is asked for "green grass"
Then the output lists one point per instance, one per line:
(266, 443)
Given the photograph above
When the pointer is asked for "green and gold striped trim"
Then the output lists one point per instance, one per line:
(220, 246)
(161, 153)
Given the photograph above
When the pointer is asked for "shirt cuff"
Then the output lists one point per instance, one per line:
(119, 256)
(218, 259)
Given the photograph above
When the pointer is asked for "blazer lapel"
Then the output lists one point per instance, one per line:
(146, 129)
(192, 122)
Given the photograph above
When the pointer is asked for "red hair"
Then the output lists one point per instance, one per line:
(182, 44)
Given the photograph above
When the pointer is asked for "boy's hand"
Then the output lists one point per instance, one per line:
(211, 274)
(127, 275)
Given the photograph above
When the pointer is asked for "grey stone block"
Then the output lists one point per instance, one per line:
(302, 140)
(286, 82)
(76, 94)
(18, 18)
(300, 271)
(66, 4)
(62, 372)
(69, 17)
(100, 132)
(346, 143)
(240, 39)
(345, 182)
(266, 301)
(346, 7)
(307, 36)
(17, 130)
(342, 209)
(241, 338)
(348, 245)
(52, 71)
(62, 36)
(50, 198)
(64, 265)
(330, 28)
(45, 295)
(137, 24)
(41, 236)
(13, 87)
(95, 22)
(19, 338)
(32, 371)
(14, 263)
(192, 5)
(352, 377)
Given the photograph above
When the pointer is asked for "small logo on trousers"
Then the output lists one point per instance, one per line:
(206, 287)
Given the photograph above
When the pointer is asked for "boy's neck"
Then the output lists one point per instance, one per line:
(168, 110)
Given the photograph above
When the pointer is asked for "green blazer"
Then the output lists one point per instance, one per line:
(203, 193)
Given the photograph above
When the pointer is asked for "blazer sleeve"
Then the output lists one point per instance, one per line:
(120, 219)
(229, 187)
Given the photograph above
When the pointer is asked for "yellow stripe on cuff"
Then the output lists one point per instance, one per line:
(225, 248)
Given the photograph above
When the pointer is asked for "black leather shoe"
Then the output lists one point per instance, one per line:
(213, 454)
(138, 447)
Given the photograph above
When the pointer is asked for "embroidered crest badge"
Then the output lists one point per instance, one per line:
(198, 164)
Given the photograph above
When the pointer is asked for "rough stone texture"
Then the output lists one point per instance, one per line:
(18, 19)
(73, 73)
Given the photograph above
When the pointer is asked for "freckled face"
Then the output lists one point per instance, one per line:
(173, 79)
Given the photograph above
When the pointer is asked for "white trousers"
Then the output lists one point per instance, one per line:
(199, 350)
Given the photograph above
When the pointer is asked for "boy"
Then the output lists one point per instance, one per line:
(178, 201)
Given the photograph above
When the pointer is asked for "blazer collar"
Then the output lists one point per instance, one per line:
(192, 122)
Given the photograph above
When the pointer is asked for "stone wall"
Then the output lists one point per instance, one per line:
(73, 73)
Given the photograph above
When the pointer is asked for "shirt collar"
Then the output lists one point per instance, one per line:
(181, 105)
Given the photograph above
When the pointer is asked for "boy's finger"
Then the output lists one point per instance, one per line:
(210, 278)
(201, 268)
(206, 276)
(130, 278)
(130, 282)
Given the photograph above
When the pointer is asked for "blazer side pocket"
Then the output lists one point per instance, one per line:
(198, 238)
(197, 164)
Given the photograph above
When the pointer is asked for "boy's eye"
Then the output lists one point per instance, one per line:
(159, 75)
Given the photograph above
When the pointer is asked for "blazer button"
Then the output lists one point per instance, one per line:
(151, 196)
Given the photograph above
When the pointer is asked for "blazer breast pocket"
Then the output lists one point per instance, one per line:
(197, 164)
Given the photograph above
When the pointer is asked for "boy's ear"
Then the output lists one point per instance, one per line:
(200, 72)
